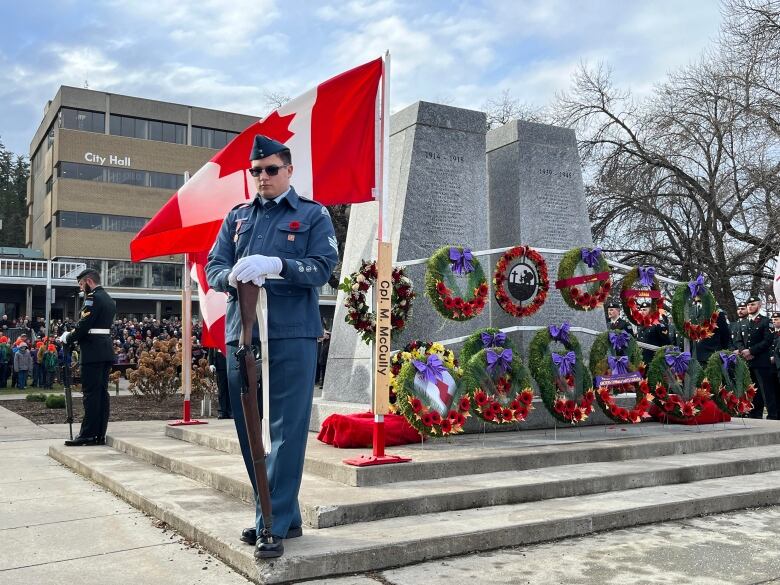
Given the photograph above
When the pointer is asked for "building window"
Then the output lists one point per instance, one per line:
(87, 172)
(82, 120)
(211, 138)
(99, 221)
(124, 274)
(48, 185)
(47, 230)
(166, 276)
(147, 129)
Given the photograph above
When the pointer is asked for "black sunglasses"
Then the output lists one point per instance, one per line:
(270, 170)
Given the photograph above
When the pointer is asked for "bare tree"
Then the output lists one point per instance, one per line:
(685, 180)
(506, 107)
(275, 99)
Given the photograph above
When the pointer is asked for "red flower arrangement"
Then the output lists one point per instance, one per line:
(433, 422)
(490, 409)
(574, 296)
(359, 313)
(628, 297)
(444, 266)
(506, 302)
(673, 404)
(703, 331)
(459, 309)
(606, 400)
(572, 410)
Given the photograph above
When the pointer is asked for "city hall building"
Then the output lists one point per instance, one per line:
(102, 165)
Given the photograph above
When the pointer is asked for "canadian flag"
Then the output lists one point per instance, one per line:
(439, 393)
(332, 133)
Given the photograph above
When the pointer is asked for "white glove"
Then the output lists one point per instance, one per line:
(64, 337)
(248, 268)
(232, 279)
(213, 368)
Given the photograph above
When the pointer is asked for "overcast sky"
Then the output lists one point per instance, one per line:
(227, 54)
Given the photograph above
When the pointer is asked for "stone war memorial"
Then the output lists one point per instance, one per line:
(498, 314)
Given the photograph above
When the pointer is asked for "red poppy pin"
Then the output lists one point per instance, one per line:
(294, 225)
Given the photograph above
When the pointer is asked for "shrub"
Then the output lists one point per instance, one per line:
(40, 397)
(55, 401)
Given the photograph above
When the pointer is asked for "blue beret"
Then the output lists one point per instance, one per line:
(264, 146)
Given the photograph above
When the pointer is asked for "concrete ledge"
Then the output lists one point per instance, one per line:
(215, 519)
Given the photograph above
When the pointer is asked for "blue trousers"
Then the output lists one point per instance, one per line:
(292, 365)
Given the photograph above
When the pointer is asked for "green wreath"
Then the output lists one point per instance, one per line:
(420, 410)
(443, 289)
(569, 398)
(418, 350)
(589, 266)
(628, 299)
(733, 395)
(695, 322)
(474, 344)
(681, 395)
(503, 395)
(616, 344)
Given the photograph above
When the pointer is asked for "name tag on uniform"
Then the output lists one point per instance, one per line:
(290, 237)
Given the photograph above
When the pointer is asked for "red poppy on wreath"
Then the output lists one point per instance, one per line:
(294, 225)
(443, 289)
(644, 276)
(639, 411)
(521, 281)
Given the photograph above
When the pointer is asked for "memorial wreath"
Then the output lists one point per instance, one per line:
(430, 398)
(643, 276)
(694, 310)
(733, 391)
(497, 381)
(532, 285)
(563, 379)
(615, 361)
(417, 350)
(678, 383)
(575, 269)
(359, 313)
(482, 338)
(443, 289)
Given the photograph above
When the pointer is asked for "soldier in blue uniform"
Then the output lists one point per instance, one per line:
(277, 233)
(93, 334)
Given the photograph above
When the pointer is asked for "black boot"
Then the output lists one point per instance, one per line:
(249, 535)
(80, 441)
(269, 546)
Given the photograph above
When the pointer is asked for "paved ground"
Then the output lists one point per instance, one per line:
(57, 527)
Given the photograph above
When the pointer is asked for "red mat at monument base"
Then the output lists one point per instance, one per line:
(710, 414)
(357, 430)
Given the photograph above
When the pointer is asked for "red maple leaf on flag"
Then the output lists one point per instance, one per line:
(273, 126)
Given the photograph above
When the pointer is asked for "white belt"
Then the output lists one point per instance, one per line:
(99, 331)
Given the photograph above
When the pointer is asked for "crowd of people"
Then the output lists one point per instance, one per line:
(753, 336)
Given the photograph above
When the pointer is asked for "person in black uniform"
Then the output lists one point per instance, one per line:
(93, 334)
(776, 346)
(718, 341)
(657, 334)
(218, 365)
(759, 341)
(614, 321)
(738, 327)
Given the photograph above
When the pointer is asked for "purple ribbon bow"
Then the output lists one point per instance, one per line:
(619, 340)
(501, 360)
(461, 261)
(493, 339)
(618, 365)
(646, 275)
(560, 333)
(565, 363)
(697, 286)
(678, 362)
(430, 370)
(728, 359)
(590, 256)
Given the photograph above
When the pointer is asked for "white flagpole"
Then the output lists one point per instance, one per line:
(776, 284)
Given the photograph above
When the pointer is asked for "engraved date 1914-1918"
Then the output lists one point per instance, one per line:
(550, 173)
(438, 156)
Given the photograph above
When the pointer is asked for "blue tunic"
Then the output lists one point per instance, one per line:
(300, 232)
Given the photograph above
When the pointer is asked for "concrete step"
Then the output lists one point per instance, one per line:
(325, 503)
(511, 451)
(215, 519)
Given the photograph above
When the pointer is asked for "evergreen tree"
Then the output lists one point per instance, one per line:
(14, 172)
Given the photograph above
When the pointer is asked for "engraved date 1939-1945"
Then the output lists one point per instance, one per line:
(438, 156)
(550, 173)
